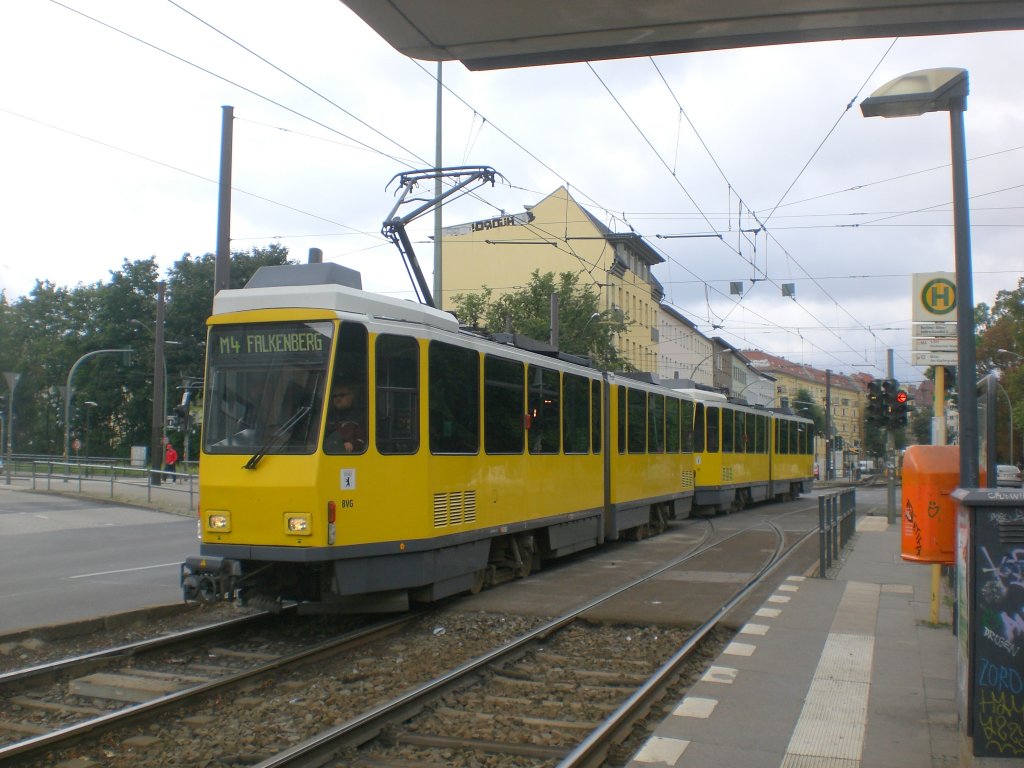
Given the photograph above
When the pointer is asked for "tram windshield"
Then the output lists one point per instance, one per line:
(265, 387)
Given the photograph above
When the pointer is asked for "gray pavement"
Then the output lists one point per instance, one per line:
(69, 557)
(844, 672)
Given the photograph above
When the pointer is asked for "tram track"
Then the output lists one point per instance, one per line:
(595, 697)
(55, 704)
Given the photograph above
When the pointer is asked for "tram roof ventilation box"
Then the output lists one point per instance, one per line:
(323, 286)
(285, 275)
(519, 341)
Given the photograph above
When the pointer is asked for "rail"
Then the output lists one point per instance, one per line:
(837, 525)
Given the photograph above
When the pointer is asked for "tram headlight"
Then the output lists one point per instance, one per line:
(297, 524)
(218, 521)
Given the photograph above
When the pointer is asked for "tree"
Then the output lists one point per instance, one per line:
(804, 405)
(582, 328)
(921, 425)
(1001, 327)
(43, 334)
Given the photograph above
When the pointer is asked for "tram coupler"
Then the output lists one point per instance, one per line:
(209, 579)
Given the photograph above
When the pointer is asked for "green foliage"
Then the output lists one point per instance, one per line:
(1001, 327)
(43, 334)
(803, 405)
(921, 425)
(583, 329)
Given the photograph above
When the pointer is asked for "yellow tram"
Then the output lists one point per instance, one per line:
(361, 452)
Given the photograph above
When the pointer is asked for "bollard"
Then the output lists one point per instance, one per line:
(837, 524)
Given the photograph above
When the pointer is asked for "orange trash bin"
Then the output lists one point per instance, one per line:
(930, 475)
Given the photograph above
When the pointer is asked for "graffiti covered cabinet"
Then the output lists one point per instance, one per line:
(995, 596)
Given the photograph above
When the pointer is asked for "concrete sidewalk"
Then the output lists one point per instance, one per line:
(181, 498)
(844, 672)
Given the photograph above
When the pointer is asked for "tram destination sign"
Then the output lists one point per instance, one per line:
(291, 340)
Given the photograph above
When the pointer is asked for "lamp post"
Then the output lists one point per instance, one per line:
(945, 90)
(69, 391)
(707, 357)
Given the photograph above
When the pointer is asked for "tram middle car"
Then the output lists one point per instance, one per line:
(361, 452)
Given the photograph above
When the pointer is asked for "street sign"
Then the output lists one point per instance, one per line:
(934, 296)
(932, 358)
(933, 345)
(941, 330)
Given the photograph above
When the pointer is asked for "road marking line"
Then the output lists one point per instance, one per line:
(122, 570)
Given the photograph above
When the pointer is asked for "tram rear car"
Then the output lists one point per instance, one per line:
(745, 455)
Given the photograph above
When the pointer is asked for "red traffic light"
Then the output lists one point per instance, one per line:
(901, 396)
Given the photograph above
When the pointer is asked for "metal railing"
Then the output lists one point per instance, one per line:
(111, 479)
(837, 525)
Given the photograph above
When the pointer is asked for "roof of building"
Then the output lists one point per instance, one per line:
(782, 366)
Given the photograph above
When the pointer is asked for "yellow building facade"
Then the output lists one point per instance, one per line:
(559, 235)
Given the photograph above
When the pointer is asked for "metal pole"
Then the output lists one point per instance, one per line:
(438, 298)
(939, 437)
(828, 425)
(157, 431)
(222, 266)
(966, 374)
(890, 455)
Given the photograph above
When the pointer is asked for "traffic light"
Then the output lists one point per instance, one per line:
(876, 409)
(898, 417)
(887, 404)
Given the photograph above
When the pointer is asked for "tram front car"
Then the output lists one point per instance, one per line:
(271, 483)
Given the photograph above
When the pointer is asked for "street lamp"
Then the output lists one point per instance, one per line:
(945, 90)
(69, 391)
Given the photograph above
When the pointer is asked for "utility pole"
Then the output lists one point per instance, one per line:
(438, 190)
(829, 472)
(222, 266)
(890, 455)
(156, 444)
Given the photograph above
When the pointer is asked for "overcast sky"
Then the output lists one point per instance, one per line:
(110, 116)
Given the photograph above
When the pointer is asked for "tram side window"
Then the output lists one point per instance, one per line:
(454, 390)
(346, 430)
(637, 406)
(621, 408)
(712, 415)
(503, 405)
(804, 431)
(575, 414)
(760, 434)
(794, 438)
(656, 423)
(783, 436)
(398, 394)
(688, 427)
(672, 424)
(595, 416)
(699, 440)
(741, 432)
(543, 407)
(728, 427)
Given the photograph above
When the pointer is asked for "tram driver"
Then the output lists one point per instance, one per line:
(346, 432)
